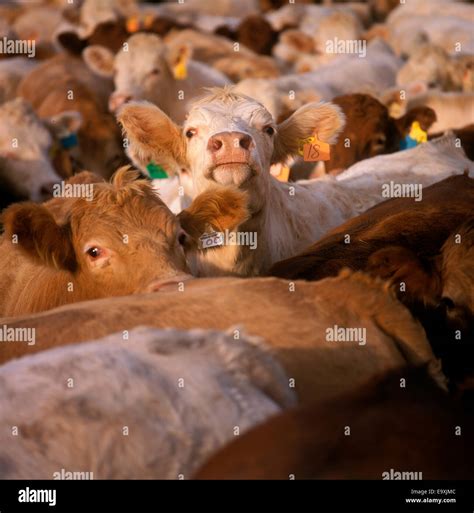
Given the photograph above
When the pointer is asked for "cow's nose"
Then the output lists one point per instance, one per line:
(229, 141)
(116, 100)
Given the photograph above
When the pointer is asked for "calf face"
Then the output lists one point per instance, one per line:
(108, 239)
(26, 144)
(145, 69)
(118, 239)
(228, 138)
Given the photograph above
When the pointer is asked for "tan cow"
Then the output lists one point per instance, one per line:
(97, 240)
(297, 319)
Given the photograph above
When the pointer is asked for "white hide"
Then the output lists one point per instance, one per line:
(344, 75)
(25, 166)
(153, 406)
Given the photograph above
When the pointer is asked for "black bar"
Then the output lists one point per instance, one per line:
(242, 496)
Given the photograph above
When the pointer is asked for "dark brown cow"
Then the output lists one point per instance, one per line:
(414, 246)
(370, 130)
(254, 32)
(401, 423)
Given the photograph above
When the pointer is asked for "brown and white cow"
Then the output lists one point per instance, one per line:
(229, 138)
(99, 239)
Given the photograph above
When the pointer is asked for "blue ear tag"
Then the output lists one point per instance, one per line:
(407, 143)
(69, 141)
(156, 172)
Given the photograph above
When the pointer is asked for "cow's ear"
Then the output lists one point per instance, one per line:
(32, 229)
(323, 119)
(152, 136)
(100, 60)
(401, 265)
(178, 58)
(426, 116)
(216, 209)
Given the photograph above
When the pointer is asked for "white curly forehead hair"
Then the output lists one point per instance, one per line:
(230, 104)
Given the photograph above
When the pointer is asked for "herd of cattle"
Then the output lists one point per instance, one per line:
(238, 239)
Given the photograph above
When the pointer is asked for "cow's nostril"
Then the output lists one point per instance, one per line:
(215, 144)
(245, 142)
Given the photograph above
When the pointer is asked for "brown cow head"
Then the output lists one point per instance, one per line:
(371, 131)
(113, 239)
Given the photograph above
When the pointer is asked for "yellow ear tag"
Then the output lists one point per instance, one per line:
(417, 133)
(132, 24)
(284, 174)
(314, 150)
(280, 171)
(180, 70)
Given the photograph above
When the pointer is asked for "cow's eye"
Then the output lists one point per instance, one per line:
(269, 130)
(94, 252)
(190, 133)
(182, 238)
(155, 71)
(447, 302)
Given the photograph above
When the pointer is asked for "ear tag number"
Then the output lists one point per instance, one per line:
(313, 150)
(211, 240)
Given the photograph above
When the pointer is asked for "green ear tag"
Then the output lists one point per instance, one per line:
(155, 171)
